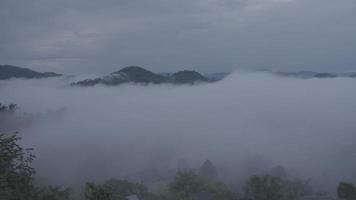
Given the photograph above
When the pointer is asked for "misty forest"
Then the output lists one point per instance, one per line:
(177, 100)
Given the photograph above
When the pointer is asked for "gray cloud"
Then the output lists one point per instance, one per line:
(100, 36)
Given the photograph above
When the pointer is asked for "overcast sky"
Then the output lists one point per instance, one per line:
(87, 36)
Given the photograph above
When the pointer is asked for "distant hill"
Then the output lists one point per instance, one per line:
(297, 74)
(311, 74)
(135, 74)
(9, 71)
(187, 77)
(217, 76)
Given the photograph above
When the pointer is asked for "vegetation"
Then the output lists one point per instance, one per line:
(114, 189)
(346, 191)
(208, 171)
(264, 188)
(186, 183)
(7, 108)
(17, 175)
(52, 193)
(15, 168)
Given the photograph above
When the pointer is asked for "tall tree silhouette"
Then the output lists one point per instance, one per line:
(208, 171)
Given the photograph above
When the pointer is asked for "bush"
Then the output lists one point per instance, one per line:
(15, 169)
(346, 191)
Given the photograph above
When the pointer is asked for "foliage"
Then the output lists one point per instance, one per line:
(52, 193)
(122, 188)
(16, 177)
(274, 188)
(297, 188)
(114, 189)
(264, 188)
(96, 192)
(208, 171)
(186, 183)
(10, 108)
(15, 169)
(346, 191)
(220, 191)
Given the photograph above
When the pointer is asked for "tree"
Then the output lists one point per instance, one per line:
(208, 171)
(10, 108)
(15, 169)
(114, 189)
(53, 193)
(264, 188)
(186, 183)
(122, 188)
(96, 192)
(297, 188)
(220, 191)
(346, 191)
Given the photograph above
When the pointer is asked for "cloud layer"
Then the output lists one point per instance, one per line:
(99, 132)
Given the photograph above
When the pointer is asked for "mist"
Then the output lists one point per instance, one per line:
(94, 133)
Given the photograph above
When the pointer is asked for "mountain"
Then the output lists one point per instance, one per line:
(300, 74)
(139, 75)
(135, 74)
(187, 77)
(348, 74)
(311, 74)
(9, 71)
(217, 76)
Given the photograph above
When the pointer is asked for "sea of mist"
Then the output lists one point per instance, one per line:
(94, 133)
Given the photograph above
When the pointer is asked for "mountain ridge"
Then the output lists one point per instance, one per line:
(136, 74)
(10, 71)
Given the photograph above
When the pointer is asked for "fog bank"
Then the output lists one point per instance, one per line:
(92, 133)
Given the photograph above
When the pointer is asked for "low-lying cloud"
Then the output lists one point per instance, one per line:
(93, 133)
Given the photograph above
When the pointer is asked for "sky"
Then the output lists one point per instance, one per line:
(87, 36)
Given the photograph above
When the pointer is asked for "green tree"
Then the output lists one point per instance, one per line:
(264, 188)
(15, 169)
(208, 171)
(220, 191)
(297, 188)
(122, 188)
(96, 192)
(53, 193)
(115, 189)
(346, 191)
(186, 183)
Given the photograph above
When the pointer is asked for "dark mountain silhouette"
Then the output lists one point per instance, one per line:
(139, 75)
(311, 74)
(190, 77)
(217, 76)
(135, 74)
(9, 71)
